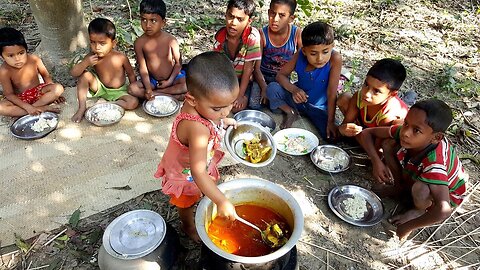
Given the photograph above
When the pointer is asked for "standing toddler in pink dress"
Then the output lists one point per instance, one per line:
(189, 165)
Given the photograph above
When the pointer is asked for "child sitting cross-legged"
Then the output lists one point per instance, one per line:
(318, 68)
(279, 41)
(101, 73)
(240, 42)
(189, 164)
(426, 165)
(19, 76)
(377, 103)
(158, 56)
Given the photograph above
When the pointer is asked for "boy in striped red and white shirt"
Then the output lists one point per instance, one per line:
(426, 164)
(240, 42)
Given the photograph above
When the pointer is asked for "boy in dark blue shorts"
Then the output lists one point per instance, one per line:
(318, 68)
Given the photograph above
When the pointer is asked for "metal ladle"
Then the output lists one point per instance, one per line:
(262, 233)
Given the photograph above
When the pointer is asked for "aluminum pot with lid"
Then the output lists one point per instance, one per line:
(138, 239)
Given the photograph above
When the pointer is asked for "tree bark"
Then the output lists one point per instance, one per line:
(62, 28)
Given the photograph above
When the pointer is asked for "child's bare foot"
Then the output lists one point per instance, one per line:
(59, 100)
(78, 116)
(191, 231)
(407, 216)
(288, 120)
(48, 108)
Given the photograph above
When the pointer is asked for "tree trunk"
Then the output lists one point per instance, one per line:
(62, 29)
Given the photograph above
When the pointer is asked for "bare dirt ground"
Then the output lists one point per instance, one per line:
(438, 42)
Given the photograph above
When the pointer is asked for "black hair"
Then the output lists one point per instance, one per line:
(292, 4)
(153, 7)
(102, 26)
(11, 37)
(248, 6)
(389, 71)
(208, 72)
(439, 114)
(317, 33)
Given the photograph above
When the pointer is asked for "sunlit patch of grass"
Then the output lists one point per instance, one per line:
(449, 82)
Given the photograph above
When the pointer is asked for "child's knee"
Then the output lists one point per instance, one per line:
(273, 88)
(131, 102)
(58, 89)
(342, 102)
(421, 191)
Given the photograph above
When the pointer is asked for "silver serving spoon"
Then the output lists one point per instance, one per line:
(262, 233)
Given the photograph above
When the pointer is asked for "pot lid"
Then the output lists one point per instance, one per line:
(135, 234)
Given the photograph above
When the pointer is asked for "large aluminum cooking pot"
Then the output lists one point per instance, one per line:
(255, 191)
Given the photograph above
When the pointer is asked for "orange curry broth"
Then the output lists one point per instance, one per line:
(242, 240)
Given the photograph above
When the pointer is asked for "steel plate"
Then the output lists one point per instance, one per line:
(22, 127)
(339, 194)
(93, 113)
(161, 106)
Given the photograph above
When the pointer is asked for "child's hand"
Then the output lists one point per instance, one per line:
(148, 95)
(229, 122)
(240, 102)
(350, 129)
(92, 59)
(264, 98)
(164, 84)
(227, 210)
(382, 173)
(32, 110)
(332, 130)
(299, 96)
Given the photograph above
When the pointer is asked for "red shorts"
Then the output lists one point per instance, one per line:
(32, 95)
(184, 201)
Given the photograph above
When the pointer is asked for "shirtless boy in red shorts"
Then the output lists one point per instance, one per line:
(24, 94)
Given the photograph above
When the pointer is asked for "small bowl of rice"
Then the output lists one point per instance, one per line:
(161, 106)
(330, 158)
(104, 114)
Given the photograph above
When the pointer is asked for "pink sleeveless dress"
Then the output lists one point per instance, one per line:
(175, 164)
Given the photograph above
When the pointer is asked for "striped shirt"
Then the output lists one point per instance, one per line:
(439, 165)
(249, 47)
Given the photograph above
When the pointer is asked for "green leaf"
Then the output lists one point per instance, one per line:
(63, 238)
(95, 236)
(21, 244)
(74, 218)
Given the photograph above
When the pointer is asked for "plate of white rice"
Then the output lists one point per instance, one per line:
(356, 205)
(330, 158)
(30, 127)
(161, 106)
(104, 114)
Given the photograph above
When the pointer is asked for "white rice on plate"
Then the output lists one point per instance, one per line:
(42, 123)
(355, 207)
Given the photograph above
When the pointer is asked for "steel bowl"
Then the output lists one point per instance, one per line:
(257, 117)
(330, 158)
(336, 201)
(92, 115)
(161, 106)
(22, 127)
(253, 191)
(235, 137)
